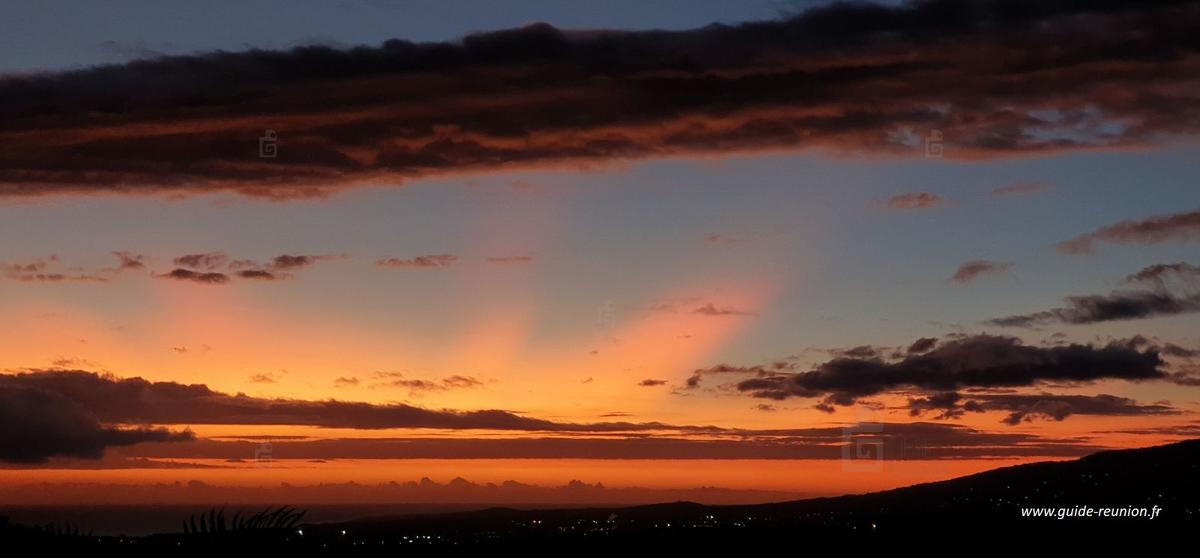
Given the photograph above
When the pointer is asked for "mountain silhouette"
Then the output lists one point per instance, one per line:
(1166, 478)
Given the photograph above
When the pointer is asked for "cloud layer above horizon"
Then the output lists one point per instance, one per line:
(65, 413)
(965, 373)
(844, 78)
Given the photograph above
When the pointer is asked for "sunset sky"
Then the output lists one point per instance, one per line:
(620, 246)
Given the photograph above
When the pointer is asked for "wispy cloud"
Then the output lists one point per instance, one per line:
(206, 260)
(1159, 290)
(267, 378)
(1021, 188)
(46, 270)
(218, 268)
(716, 238)
(974, 269)
(129, 261)
(419, 385)
(509, 260)
(432, 261)
(207, 277)
(916, 200)
(1177, 227)
(710, 309)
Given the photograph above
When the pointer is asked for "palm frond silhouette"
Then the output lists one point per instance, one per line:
(283, 518)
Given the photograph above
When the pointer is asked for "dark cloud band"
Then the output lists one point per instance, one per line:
(1030, 407)
(1157, 290)
(939, 370)
(38, 424)
(985, 77)
(893, 442)
(138, 401)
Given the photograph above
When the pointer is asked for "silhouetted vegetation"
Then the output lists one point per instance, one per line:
(213, 523)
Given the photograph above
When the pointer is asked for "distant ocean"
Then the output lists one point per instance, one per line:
(150, 519)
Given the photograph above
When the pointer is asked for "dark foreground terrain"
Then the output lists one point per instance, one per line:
(1163, 480)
